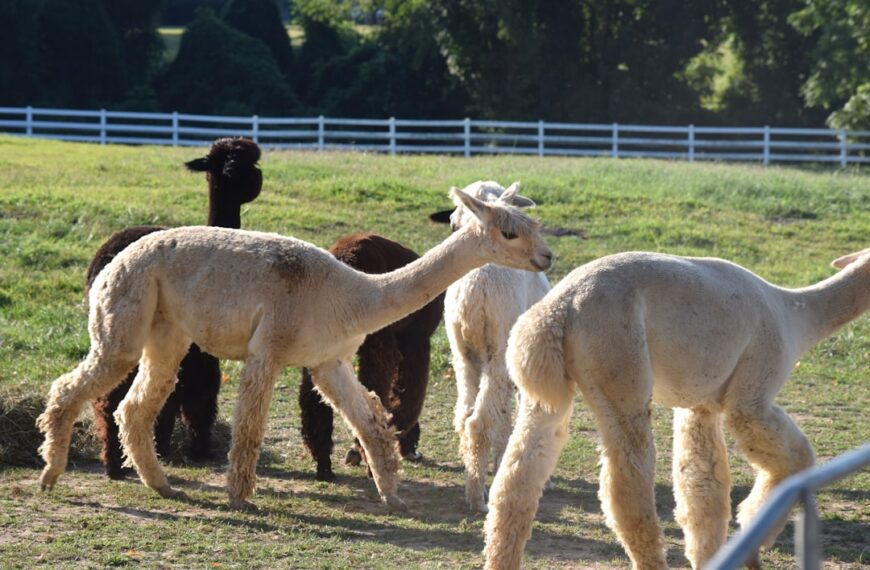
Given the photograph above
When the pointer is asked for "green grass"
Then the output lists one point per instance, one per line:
(60, 201)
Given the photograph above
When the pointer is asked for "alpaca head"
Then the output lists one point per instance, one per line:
(511, 237)
(231, 170)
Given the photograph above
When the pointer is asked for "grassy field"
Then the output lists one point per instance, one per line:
(60, 201)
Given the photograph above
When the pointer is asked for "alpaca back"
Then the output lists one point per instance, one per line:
(483, 306)
(283, 279)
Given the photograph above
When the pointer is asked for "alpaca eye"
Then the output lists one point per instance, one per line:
(508, 235)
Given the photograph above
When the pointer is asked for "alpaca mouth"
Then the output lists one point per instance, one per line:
(542, 266)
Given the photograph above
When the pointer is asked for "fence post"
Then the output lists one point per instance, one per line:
(807, 533)
(392, 136)
(691, 143)
(28, 121)
(614, 148)
(766, 151)
(467, 135)
(844, 149)
(255, 128)
(540, 138)
(102, 126)
(321, 132)
(175, 128)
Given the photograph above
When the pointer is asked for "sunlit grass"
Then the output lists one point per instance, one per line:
(59, 201)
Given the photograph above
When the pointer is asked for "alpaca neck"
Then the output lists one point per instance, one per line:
(821, 309)
(221, 213)
(407, 289)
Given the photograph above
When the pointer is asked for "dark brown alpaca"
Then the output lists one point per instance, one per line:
(233, 180)
(394, 362)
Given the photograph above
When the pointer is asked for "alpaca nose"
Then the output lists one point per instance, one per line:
(547, 261)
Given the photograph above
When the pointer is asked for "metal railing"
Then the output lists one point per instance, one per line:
(802, 488)
(465, 136)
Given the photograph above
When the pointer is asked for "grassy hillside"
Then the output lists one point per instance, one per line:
(59, 201)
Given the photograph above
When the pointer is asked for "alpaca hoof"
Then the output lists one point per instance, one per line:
(48, 479)
(325, 475)
(119, 474)
(243, 505)
(754, 563)
(353, 457)
(413, 456)
(168, 492)
(476, 503)
(395, 504)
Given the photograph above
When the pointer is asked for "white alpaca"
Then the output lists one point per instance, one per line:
(272, 302)
(479, 311)
(699, 334)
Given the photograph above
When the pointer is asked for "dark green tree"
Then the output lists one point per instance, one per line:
(135, 22)
(839, 78)
(774, 62)
(220, 70)
(600, 60)
(80, 59)
(327, 35)
(261, 19)
(19, 51)
(399, 72)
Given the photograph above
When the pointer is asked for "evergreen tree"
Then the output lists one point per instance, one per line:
(19, 51)
(261, 19)
(220, 70)
(80, 60)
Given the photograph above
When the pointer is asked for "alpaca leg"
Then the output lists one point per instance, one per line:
(468, 370)
(529, 460)
(317, 425)
(775, 447)
(408, 444)
(378, 368)
(107, 429)
(199, 383)
(627, 487)
(409, 391)
(702, 482)
(164, 349)
(366, 416)
(97, 374)
(249, 426)
(164, 425)
(486, 433)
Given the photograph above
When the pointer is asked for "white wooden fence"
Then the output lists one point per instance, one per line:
(466, 137)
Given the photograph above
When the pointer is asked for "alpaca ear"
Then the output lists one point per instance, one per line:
(512, 196)
(198, 164)
(842, 262)
(442, 217)
(475, 206)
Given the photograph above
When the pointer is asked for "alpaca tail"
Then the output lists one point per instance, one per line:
(536, 358)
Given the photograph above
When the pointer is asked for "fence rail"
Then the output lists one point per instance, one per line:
(466, 137)
(799, 488)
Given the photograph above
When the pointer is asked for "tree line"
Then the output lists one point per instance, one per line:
(782, 62)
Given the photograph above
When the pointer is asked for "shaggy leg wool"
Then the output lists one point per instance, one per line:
(775, 447)
(155, 381)
(96, 375)
(369, 422)
(249, 426)
(529, 460)
(702, 482)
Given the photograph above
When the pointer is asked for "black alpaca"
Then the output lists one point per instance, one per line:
(233, 180)
(394, 362)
